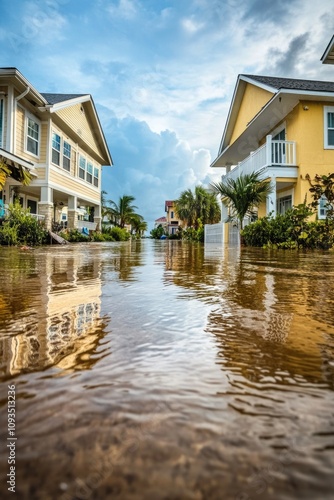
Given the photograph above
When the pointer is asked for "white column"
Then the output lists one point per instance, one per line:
(271, 200)
(268, 150)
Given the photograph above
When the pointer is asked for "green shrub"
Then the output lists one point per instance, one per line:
(74, 236)
(20, 228)
(119, 234)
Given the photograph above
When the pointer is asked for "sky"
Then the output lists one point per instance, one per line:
(162, 74)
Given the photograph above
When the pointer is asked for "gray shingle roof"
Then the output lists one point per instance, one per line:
(293, 84)
(56, 98)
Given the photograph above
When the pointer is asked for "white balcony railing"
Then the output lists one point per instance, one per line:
(271, 154)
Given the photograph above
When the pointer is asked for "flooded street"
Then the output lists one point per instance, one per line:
(159, 370)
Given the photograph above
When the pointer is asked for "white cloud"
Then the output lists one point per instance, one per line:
(126, 9)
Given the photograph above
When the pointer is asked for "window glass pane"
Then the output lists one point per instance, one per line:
(82, 162)
(32, 136)
(32, 146)
(56, 141)
(66, 163)
(331, 137)
(55, 157)
(96, 172)
(330, 120)
(67, 149)
(89, 168)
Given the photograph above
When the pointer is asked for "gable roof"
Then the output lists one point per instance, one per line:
(285, 95)
(57, 98)
(54, 102)
(277, 83)
(328, 56)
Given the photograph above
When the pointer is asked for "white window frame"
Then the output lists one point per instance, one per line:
(54, 149)
(89, 172)
(33, 118)
(285, 194)
(81, 168)
(96, 177)
(327, 109)
(61, 151)
(321, 207)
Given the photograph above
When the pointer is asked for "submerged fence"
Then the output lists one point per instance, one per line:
(214, 233)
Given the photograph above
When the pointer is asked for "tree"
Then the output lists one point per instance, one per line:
(243, 194)
(138, 225)
(121, 213)
(322, 187)
(198, 208)
(18, 173)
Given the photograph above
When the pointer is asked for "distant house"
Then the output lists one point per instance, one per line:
(283, 127)
(173, 222)
(58, 138)
(162, 221)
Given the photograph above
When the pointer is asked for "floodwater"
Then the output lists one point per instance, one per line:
(158, 370)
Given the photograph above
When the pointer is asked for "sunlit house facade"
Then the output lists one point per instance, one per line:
(284, 128)
(58, 138)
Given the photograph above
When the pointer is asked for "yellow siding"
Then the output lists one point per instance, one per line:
(19, 146)
(253, 100)
(43, 143)
(307, 129)
(77, 120)
(68, 184)
(40, 171)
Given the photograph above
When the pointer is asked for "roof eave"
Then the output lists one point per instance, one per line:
(328, 55)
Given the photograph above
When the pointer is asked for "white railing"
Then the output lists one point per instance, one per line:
(5, 211)
(272, 153)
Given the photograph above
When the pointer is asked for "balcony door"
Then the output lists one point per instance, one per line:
(278, 149)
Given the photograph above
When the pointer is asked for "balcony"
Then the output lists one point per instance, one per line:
(275, 158)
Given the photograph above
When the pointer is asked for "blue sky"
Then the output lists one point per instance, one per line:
(162, 74)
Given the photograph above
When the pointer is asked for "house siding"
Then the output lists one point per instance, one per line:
(62, 180)
(77, 120)
(253, 100)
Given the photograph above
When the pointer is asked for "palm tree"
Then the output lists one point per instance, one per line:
(121, 213)
(19, 173)
(241, 195)
(198, 207)
(138, 225)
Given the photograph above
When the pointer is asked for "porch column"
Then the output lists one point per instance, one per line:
(97, 217)
(271, 200)
(45, 206)
(269, 160)
(72, 214)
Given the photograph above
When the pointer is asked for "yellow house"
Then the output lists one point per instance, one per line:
(284, 127)
(173, 222)
(59, 139)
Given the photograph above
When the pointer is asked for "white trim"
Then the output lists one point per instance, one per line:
(2, 118)
(264, 86)
(30, 116)
(327, 109)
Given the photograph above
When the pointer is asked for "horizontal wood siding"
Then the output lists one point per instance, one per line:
(68, 184)
(19, 146)
(40, 171)
(77, 120)
(43, 143)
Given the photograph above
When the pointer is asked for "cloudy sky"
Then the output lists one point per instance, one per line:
(162, 74)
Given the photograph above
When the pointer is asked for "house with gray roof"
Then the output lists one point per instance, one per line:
(284, 128)
(59, 141)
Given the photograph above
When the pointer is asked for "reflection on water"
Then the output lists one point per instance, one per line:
(160, 370)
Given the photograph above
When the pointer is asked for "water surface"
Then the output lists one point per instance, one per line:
(163, 370)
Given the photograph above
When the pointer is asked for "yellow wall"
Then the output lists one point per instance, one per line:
(253, 100)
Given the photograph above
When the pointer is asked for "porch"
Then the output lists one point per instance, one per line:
(274, 158)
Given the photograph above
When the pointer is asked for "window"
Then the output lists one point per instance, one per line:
(1, 122)
(284, 204)
(324, 206)
(67, 156)
(96, 177)
(82, 167)
(329, 127)
(172, 215)
(32, 204)
(89, 175)
(55, 148)
(32, 137)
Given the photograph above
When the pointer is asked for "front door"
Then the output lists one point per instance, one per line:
(278, 148)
